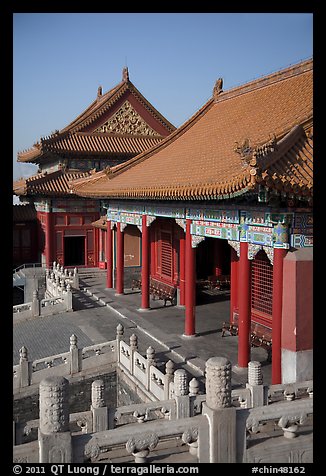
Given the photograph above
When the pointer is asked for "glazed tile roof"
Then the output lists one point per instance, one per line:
(256, 134)
(90, 144)
(49, 184)
(22, 213)
(80, 135)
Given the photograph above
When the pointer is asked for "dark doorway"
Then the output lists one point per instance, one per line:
(74, 250)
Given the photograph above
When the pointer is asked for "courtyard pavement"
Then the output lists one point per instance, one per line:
(98, 311)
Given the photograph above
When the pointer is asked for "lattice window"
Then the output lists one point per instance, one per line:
(166, 254)
(262, 284)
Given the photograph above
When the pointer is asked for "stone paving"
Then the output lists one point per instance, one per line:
(98, 311)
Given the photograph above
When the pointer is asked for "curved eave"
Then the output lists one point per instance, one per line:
(288, 169)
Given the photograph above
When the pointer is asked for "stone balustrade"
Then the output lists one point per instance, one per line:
(224, 425)
(221, 433)
(52, 304)
(76, 361)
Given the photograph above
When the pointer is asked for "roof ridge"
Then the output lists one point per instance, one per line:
(267, 80)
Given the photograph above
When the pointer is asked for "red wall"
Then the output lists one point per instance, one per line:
(297, 313)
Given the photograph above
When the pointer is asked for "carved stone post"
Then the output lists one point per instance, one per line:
(119, 336)
(98, 408)
(68, 298)
(75, 355)
(54, 435)
(193, 392)
(140, 446)
(75, 279)
(25, 368)
(255, 384)
(150, 355)
(133, 342)
(221, 438)
(35, 304)
(168, 378)
(181, 396)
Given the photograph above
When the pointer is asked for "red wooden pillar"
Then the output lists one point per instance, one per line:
(182, 246)
(109, 256)
(244, 307)
(48, 239)
(120, 260)
(190, 283)
(279, 254)
(145, 248)
(234, 293)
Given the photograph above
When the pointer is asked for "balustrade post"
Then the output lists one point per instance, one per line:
(219, 445)
(150, 355)
(181, 396)
(54, 436)
(75, 279)
(35, 304)
(133, 341)
(168, 378)
(25, 368)
(258, 391)
(75, 355)
(68, 298)
(119, 335)
(193, 392)
(98, 408)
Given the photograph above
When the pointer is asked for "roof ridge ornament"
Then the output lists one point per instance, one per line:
(99, 92)
(125, 74)
(218, 88)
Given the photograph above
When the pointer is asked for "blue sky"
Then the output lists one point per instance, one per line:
(174, 59)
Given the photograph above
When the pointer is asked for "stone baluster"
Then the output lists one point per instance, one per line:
(181, 396)
(54, 266)
(193, 392)
(258, 391)
(218, 444)
(54, 435)
(76, 279)
(133, 342)
(25, 368)
(75, 355)
(68, 298)
(119, 336)
(168, 378)
(150, 356)
(140, 446)
(35, 304)
(98, 408)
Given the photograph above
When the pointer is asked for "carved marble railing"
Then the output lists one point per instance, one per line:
(44, 307)
(60, 276)
(219, 427)
(76, 360)
(137, 443)
(287, 416)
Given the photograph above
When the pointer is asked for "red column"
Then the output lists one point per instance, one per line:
(145, 249)
(182, 269)
(244, 307)
(279, 254)
(48, 240)
(234, 293)
(109, 256)
(120, 260)
(190, 284)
